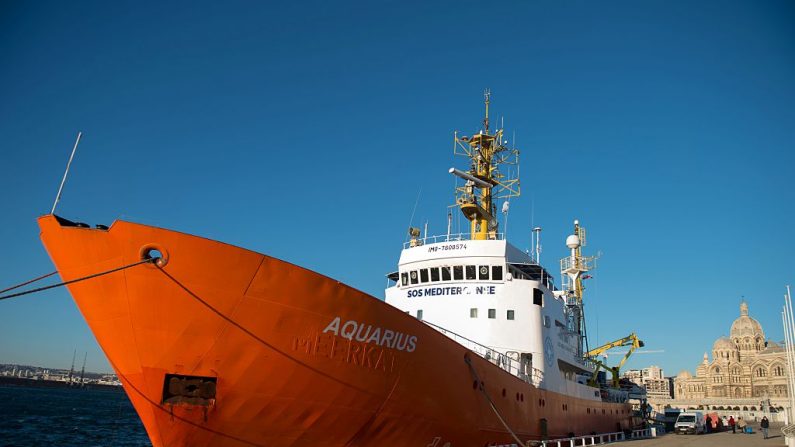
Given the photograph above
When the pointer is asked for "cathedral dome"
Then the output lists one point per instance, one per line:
(684, 375)
(745, 326)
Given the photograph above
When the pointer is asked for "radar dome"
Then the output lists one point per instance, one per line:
(573, 241)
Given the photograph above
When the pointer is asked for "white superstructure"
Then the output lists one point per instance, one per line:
(490, 296)
(495, 295)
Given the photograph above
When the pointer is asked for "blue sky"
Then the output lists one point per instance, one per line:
(306, 131)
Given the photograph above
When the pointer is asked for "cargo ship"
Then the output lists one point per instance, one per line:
(474, 344)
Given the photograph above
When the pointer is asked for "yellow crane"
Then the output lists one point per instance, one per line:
(630, 340)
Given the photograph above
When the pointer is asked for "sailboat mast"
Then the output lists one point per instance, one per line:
(72, 368)
(83, 371)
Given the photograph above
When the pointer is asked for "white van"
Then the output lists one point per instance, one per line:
(690, 422)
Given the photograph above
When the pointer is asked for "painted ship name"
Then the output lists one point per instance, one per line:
(357, 344)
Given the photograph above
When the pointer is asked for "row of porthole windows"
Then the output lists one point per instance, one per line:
(542, 402)
(454, 273)
(492, 313)
(473, 313)
(594, 411)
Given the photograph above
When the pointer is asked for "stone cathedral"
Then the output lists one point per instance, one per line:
(744, 365)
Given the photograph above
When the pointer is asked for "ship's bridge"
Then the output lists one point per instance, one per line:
(451, 259)
(485, 290)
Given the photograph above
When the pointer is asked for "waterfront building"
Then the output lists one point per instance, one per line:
(653, 380)
(746, 371)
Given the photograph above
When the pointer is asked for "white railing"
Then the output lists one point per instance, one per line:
(524, 372)
(453, 237)
(598, 439)
(579, 264)
(585, 440)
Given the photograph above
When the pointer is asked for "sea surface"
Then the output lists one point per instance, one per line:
(50, 417)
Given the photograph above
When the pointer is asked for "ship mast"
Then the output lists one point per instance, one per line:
(573, 268)
(485, 183)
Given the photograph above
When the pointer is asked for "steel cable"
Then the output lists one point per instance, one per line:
(29, 282)
(71, 281)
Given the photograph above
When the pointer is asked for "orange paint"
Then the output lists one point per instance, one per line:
(256, 324)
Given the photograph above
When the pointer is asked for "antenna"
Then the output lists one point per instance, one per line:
(487, 97)
(470, 178)
(83, 371)
(537, 233)
(449, 223)
(68, 164)
(505, 206)
(72, 369)
(414, 210)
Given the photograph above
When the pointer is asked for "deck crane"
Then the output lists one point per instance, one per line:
(630, 340)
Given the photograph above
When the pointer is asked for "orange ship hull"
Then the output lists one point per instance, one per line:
(279, 361)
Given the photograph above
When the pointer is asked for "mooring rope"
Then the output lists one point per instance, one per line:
(29, 281)
(491, 403)
(71, 281)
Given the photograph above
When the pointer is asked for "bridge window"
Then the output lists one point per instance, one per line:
(492, 313)
(404, 278)
(446, 274)
(496, 272)
(424, 275)
(483, 272)
(471, 270)
(473, 313)
(414, 278)
(538, 297)
(511, 315)
(435, 274)
(458, 272)
(419, 314)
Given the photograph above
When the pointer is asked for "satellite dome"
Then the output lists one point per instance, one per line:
(573, 241)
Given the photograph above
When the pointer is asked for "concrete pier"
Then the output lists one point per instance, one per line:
(723, 439)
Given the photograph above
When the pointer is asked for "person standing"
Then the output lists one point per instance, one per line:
(741, 424)
(732, 423)
(765, 424)
(708, 424)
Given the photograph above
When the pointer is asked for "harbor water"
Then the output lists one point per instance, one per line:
(31, 416)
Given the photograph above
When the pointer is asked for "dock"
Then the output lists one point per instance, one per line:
(722, 439)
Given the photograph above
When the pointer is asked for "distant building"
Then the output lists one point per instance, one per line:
(745, 368)
(653, 380)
